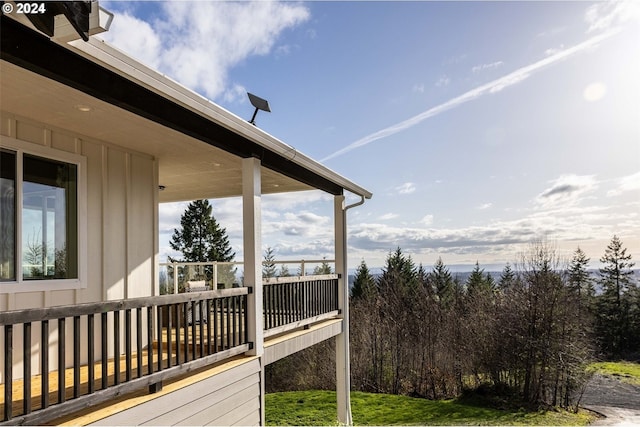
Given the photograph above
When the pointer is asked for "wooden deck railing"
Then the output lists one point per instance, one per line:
(186, 332)
(153, 339)
(292, 302)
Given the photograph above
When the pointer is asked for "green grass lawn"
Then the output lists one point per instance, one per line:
(625, 371)
(314, 408)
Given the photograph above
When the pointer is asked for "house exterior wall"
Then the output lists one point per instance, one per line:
(231, 397)
(121, 226)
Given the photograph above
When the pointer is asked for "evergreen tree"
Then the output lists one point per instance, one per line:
(479, 284)
(614, 323)
(363, 283)
(201, 239)
(579, 279)
(507, 278)
(268, 265)
(284, 271)
(323, 268)
(443, 283)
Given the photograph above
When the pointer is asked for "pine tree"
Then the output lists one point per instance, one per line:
(579, 279)
(614, 323)
(323, 268)
(507, 278)
(443, 283)
(363, 283)
(201, 239)
(268, 265)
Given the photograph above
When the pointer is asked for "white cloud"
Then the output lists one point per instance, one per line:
(625, 184)
(484, 206)
(604, 15)
(482, 67)
(388, 216)
(406, 188)
(554, 50)
(137, 38)
(443, 81)
(197, 43)
(566, 190)
(427, 220)
(418, 87)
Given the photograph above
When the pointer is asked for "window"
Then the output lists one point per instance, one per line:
(38, 218)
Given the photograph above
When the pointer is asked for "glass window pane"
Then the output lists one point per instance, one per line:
(49, 219)
(7, 215)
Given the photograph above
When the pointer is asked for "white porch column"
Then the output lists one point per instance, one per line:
(343, 366)
(252, 248)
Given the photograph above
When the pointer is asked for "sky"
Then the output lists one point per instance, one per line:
(479, 127)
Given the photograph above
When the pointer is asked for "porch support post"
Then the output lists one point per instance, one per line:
(252, 241)
(343, 369)
(252, 248)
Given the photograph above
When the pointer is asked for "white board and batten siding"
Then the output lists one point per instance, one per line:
(120, 232)
(231, 397)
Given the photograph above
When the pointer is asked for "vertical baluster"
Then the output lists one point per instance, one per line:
(201, 305)
(235, 321)
(26, 354)
(208, 326)
(215, 325)
(104, 351)
(8, 371)
(177, 332)
(44, 364)
(61, 360)
(246, 319)
(193, 328)
(169, 327)
(91, 357)
(185, 317)
(116, 347)
(229, 336)
(150, 339)
(222, 324)
(159, 334)
(269, 304)
(139, 340)
(76, 356)
(127, 344)
(240, 319)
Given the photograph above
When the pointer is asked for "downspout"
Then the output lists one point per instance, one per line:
(347, 418)
(346, 208)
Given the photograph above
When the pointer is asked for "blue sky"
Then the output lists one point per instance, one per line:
(478, 126)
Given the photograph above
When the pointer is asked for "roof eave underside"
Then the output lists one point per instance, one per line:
(33, 51)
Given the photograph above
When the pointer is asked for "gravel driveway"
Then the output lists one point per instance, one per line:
(619, 402)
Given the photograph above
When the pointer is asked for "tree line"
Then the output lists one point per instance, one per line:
(530, 332)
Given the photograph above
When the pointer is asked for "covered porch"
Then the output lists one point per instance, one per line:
(188, 332)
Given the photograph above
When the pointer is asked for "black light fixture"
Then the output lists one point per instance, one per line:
(260, 104)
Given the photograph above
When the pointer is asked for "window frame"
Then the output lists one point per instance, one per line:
(20, 284)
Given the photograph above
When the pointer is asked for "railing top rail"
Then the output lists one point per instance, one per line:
(62, 311)
(180, 264)
(294, 279)
(291, 261)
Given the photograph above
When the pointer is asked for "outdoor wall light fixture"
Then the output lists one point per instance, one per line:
(260, 104)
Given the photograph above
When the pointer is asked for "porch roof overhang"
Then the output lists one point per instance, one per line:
(198, 144)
